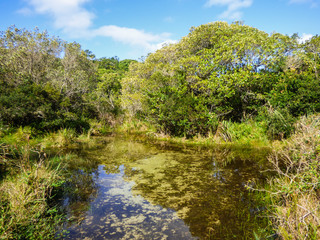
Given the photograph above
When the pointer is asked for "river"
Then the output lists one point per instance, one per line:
(129, 189)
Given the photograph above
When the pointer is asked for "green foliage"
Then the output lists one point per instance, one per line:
(280, 124)
(28, 55)
(292, 197)
(106, 96)
(110, 64)
(217, 72)
(312, 48)
(223, 72)
(178, 112)
(50, 84)
(41, 107)
(297, 92)
(248, 132)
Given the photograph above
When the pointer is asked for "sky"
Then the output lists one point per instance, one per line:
(130, 29)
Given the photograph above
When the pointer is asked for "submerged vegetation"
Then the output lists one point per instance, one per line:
(222, 83)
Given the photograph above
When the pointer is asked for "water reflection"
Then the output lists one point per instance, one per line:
(170, 192)
(116, 213)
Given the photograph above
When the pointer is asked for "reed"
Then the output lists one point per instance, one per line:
(293, 195)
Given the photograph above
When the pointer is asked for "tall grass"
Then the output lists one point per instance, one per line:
(248, 132)
(63, 138)
(136, 126)
(29, 178)
(293, 195)
(24, 211)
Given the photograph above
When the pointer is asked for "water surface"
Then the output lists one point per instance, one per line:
(136, 190)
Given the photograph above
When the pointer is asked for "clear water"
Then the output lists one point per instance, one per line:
(126, 189)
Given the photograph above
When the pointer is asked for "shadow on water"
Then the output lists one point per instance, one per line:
(134, 190)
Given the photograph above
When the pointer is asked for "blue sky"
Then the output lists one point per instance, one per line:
(133, 28)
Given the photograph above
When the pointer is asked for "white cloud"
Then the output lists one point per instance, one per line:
(154, 47)
(71, 17)
(313, 3)
(233, 7)
(68, 15)
(305, 37)
(25, 11)
(133, 36)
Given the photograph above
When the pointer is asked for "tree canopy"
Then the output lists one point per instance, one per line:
(222, 71)
(219, 71)
(48, 83)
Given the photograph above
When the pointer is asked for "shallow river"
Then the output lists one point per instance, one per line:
(128, 189)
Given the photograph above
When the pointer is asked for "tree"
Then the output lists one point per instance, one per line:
(220, 71)
(312, 49)
(44, 81)
(28, 54)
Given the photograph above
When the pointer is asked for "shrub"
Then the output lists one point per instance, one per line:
(248, 132)
(279, 123)
(293, 196)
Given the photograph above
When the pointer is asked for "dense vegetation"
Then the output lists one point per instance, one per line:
(225, 72)
(219, 72)
(49, 84)
(224, 82)
(50, 92)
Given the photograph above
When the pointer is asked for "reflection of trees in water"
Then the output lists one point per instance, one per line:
(206, 187)
(80, 188)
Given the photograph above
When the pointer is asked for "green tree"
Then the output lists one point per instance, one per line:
(44, 81)
(28, 54)
(219, 71)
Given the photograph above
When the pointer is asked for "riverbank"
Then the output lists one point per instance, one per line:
(33, 171)
(250, 133)
(292, 196)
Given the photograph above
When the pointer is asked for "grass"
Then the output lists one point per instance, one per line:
(245, 133)
(293, 195)
(249, 133)
(29, 176)
(24, 211)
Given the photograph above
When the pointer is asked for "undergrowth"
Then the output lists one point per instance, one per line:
(30, 177)
(24, 194)
(293, 195)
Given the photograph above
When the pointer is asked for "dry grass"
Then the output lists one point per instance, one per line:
(61, 139)
(24, 201)
(294, 194)
(26, 188)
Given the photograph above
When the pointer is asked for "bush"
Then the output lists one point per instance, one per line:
(248, 132)
(297, 92)
(178, 112)
(279, 123)
(42, 108)
(293, 195)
